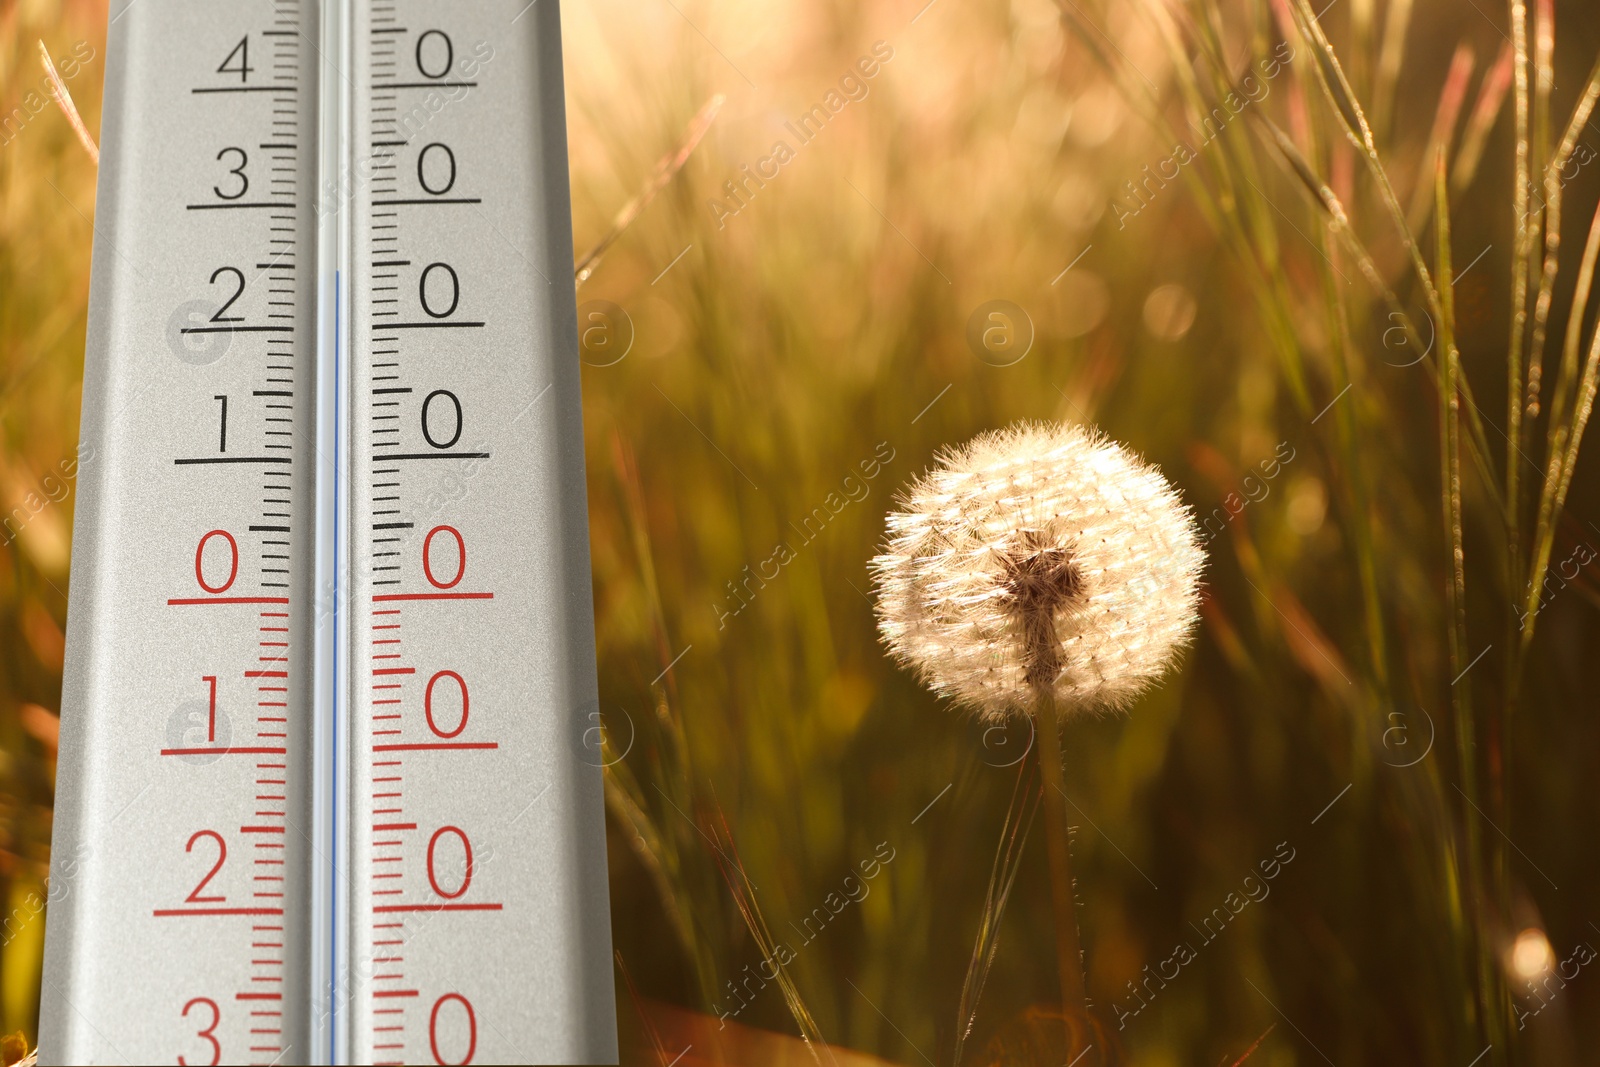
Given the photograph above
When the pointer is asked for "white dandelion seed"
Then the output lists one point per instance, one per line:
(1041, 569)
(1039, 559)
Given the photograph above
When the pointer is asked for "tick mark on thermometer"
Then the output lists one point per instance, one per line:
(162, 913)
(391, 457)
(237, 459)
(433, 596)
(426, 85)
(237, 329)
(429, 200)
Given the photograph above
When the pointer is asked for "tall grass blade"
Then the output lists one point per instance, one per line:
(1251, 1051)
(1476, 876)
(1555, 182)
(1566, 431)
(63, 99)
(1330, 75)
(1526, 222)
(650, 1028)
(660, 862)
(1396, 24)
(1544, 47)
(663, 173)
(744, 898)
(1337, 88)
(1485, 112)
(1451, 98)
(1329, 201)
(1254, 245)
(1024, 807)
(1362, 518)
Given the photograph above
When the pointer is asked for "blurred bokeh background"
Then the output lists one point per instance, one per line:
(1144, 215)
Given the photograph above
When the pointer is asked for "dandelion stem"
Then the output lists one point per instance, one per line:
(1069, 953)
(1042, 578)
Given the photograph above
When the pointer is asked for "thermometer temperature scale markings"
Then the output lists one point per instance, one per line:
(207, 189)
(451, 917)
(267, 883)
(395, 353)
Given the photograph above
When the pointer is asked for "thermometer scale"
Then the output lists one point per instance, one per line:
(325, 792)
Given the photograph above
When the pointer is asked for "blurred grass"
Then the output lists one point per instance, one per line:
(1274, 299)
(46, 201)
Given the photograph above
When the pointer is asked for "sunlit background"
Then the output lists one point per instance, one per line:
(898, 225)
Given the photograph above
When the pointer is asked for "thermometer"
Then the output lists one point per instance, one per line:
(329, 786)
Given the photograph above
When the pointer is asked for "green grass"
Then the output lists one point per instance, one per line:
(1331, 641)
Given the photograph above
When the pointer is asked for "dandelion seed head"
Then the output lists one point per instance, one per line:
(1039, 555)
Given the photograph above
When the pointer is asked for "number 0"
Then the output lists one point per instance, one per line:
(461, 557)
(455, 290)
(466, 848)
(427, 434)
(427, 704)
(233, 561)
(422, 170)
(449, 54)
(433, 1028)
